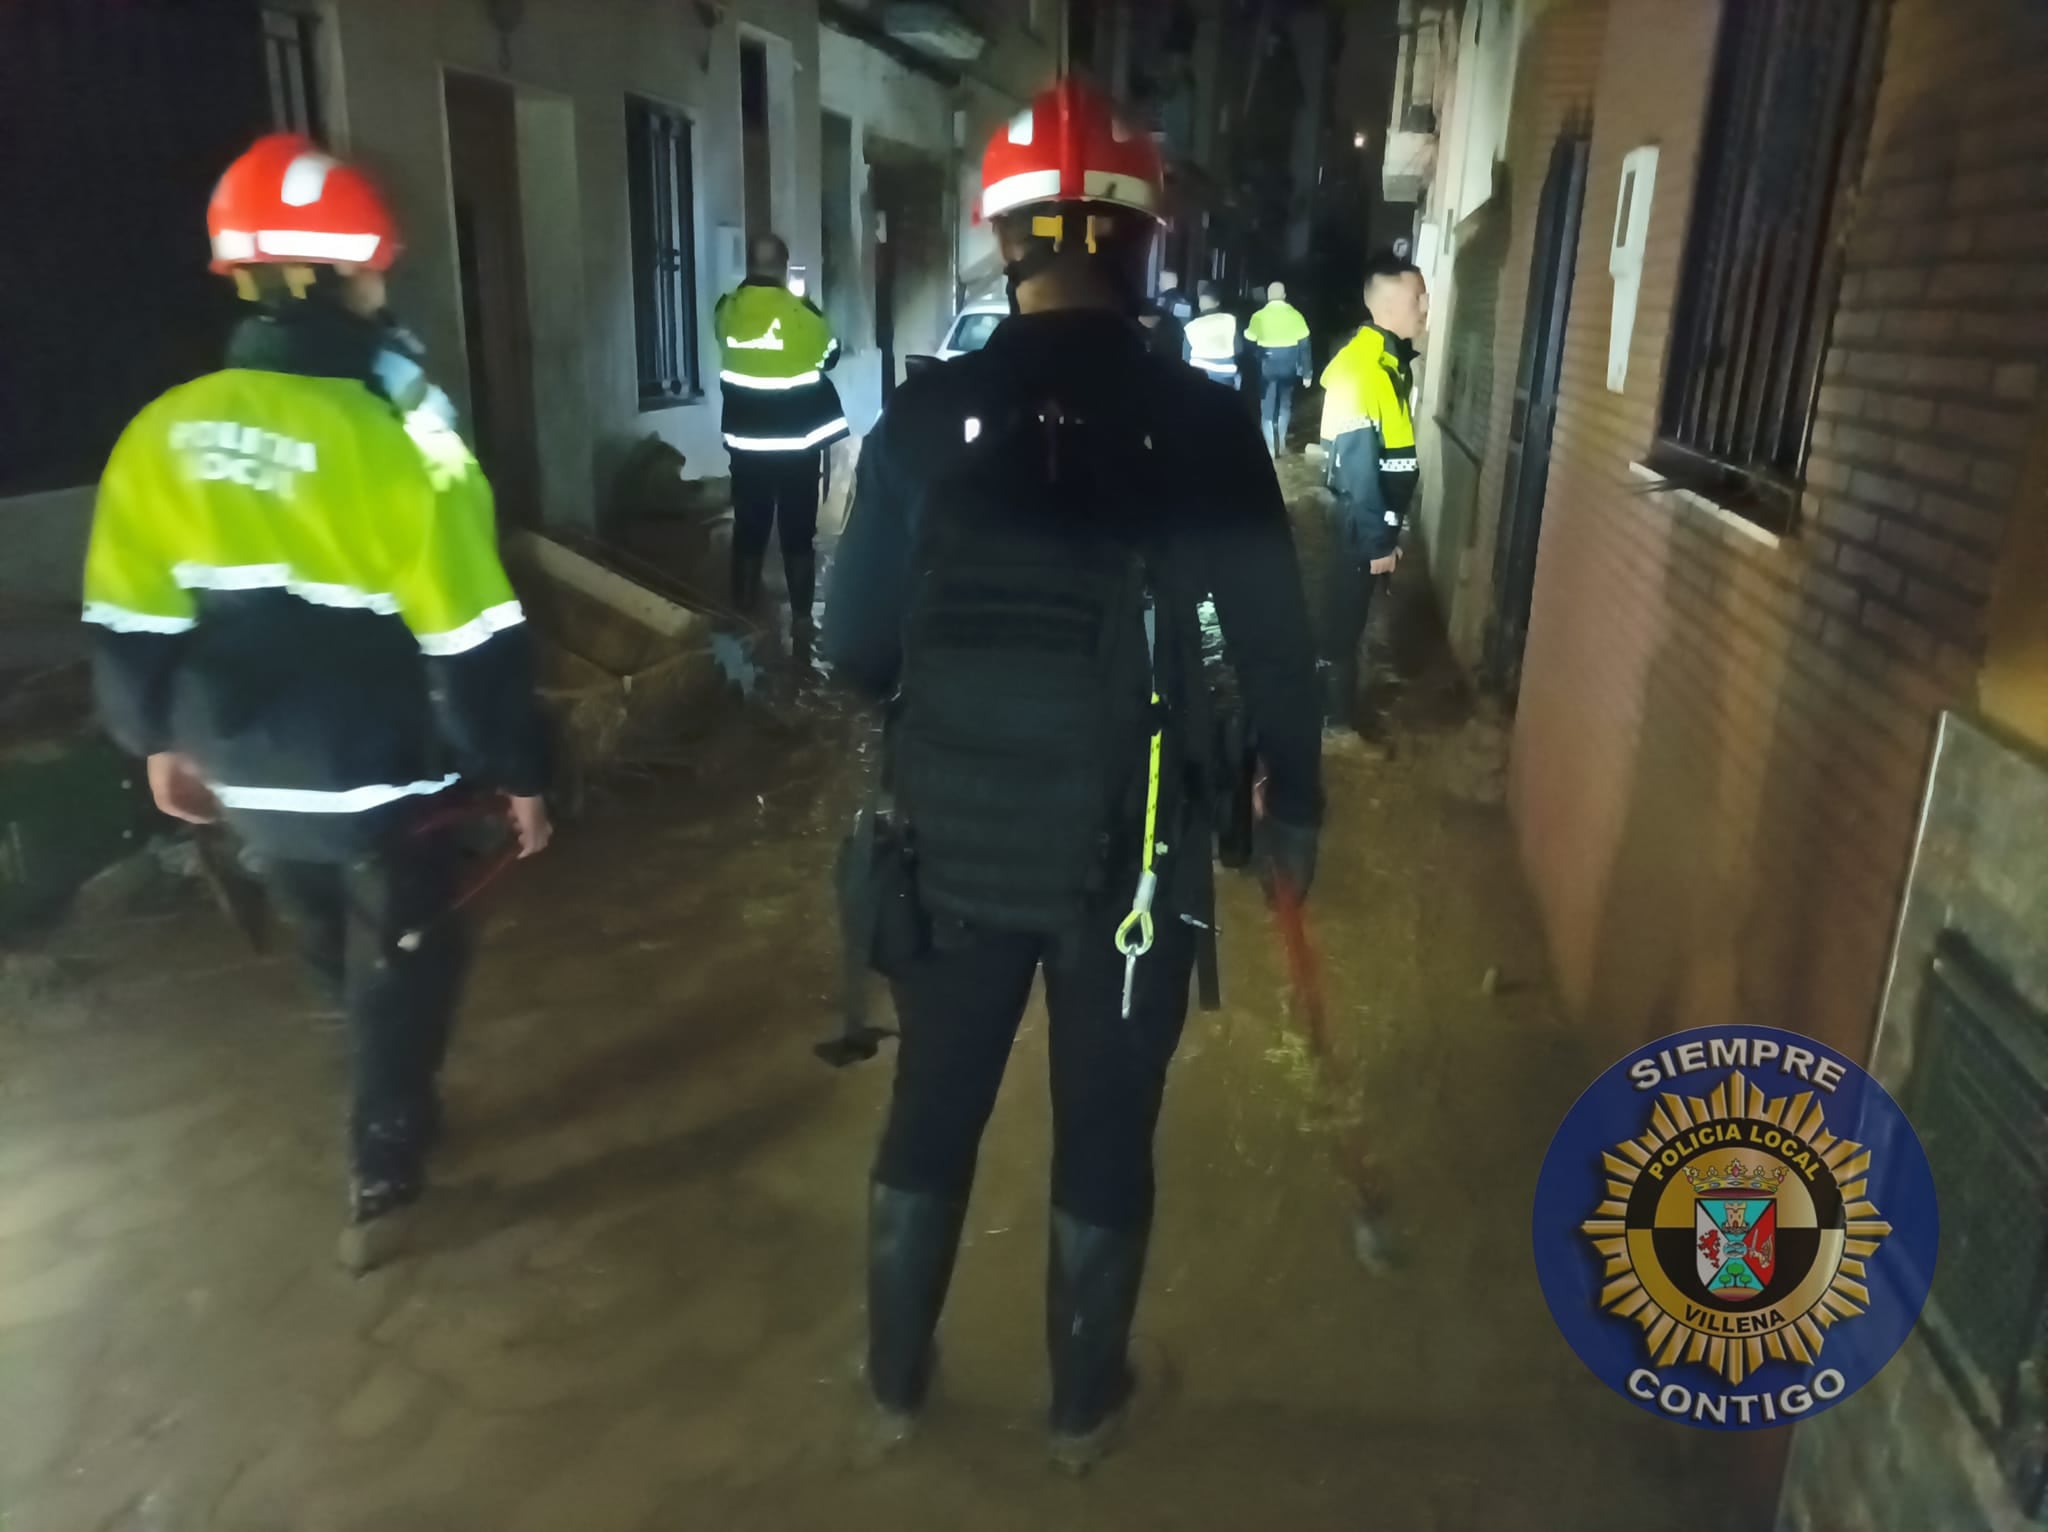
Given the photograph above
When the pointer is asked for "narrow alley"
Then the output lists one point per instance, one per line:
(639, 1302)
(494, 465)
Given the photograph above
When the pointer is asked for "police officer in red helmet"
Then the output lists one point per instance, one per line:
(1034, 527)
(301, 621)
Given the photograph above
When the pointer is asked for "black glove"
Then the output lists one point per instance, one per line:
(1282, 851)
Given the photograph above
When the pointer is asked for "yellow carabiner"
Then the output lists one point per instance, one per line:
(1134, 933)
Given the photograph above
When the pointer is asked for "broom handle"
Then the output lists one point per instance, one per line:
(1348, 1150)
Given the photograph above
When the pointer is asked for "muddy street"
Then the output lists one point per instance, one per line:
(637, 1300)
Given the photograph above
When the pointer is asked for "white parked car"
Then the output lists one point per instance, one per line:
(972, 326)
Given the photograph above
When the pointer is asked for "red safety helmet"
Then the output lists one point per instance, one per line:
(1070, 145)
(289, 202)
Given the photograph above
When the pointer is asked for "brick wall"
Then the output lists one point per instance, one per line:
(1721, 737)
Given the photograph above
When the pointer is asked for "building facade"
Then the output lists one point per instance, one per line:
(575, 180)
(1738, 422)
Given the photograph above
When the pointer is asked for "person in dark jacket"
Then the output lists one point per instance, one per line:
(1369, 432)
(301, 622)
(1173, 301)
(781, 413)
(1165, 336)
(1075, 371)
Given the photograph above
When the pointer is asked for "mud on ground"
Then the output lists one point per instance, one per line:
(639, 1293)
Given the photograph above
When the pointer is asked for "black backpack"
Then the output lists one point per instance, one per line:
(1021, 736)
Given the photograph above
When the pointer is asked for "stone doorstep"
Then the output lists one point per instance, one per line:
(625, 670)
(631, 600)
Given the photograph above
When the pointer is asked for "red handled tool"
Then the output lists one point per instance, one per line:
(1353, 1159)
(494, 867)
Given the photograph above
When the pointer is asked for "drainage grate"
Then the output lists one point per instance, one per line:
(1978, 1094)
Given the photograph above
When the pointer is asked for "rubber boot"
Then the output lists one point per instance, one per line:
(1340, 696)
(380, 1224)
(1092, 1279)
(746, 581)
(801, 573)
(912, 1240)
(388, 1179)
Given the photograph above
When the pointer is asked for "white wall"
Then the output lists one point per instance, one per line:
(881, 99)
(573, 63)
(885, 99)
(1474, 99)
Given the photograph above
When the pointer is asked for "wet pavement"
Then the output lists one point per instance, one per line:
(637, 1299)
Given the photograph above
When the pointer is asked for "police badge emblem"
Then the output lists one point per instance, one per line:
(1738, 1228)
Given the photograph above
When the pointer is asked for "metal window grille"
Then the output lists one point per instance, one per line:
(1793, 82)
(659, 191)
(1978, 1094)
(288, 56)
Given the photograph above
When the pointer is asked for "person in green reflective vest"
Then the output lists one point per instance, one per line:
(781, 412)
(1369, 431)
(300, 620)
(1212, 338)
(1278, 342)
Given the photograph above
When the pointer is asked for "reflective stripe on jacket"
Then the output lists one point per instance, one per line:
(302, 590)
(775, 349)
(1280, 336)
(1212, 343)
(1366, 421)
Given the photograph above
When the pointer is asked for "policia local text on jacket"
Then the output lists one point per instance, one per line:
(1219, 527)
(300, 590)
(1370, 435)
(781, 411)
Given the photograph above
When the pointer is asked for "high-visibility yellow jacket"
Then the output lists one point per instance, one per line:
(301, 589)
(775, 350)
(1279, 338)
(1212, 344)
(1371, 437)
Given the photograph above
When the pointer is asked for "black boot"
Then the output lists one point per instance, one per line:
(387, 1182)
(801, 573)
(1340, 695)
(912, 1239)
(746, 580)
(1092, 1278)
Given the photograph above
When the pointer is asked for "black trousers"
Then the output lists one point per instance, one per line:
(774, 492)
(400, 1005)
(1276, 410)
(958, 1011)
(1348, 586)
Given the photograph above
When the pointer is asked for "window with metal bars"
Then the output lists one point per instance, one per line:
(1786, 122)
(664, 231)
(288, 56)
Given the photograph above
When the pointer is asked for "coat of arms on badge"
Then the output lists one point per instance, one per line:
(1736, 1229)
(1736, 1218)
(1733, 1230)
